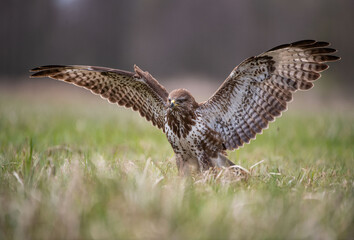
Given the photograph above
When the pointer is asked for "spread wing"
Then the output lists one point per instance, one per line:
(139, 91)
(258, 90)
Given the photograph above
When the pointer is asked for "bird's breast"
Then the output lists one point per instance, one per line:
(183, 134)
(180, 123)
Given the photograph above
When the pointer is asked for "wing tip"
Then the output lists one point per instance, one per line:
(46, 67)
(333, 58)
(39, 74)
(294, 44)
(305, 44)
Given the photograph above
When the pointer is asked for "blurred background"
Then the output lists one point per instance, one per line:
(181, 43)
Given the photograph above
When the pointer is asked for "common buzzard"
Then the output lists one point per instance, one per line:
(254, 94)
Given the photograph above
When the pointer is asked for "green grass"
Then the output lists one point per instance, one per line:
(75, 171)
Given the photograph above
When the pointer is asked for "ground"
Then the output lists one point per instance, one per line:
(79, 168)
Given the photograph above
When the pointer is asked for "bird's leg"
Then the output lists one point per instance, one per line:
(223, 161)
(179, 162)
(205, 163)
(186, 167)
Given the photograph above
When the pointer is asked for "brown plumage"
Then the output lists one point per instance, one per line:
(255, 93)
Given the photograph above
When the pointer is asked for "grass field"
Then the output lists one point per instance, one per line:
(70, 170)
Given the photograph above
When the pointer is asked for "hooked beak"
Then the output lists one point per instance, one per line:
(173, 103)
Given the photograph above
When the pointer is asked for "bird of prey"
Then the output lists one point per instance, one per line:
(254, 94)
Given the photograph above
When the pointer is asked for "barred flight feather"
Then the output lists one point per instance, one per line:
(274, 76)
(117, 86)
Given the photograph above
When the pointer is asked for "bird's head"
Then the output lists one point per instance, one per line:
(181, 99)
